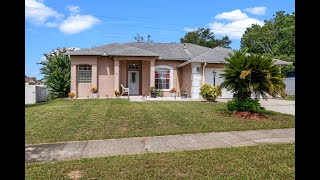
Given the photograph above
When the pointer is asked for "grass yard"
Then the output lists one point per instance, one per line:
(75, 120)
(290, 97)
(273, 161)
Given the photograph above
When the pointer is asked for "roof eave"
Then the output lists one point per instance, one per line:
(134, 55)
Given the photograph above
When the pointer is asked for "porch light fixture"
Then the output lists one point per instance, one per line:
(214, 77)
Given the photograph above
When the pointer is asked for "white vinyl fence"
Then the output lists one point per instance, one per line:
(290, 85)
(34, 94)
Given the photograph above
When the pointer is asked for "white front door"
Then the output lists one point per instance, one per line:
(133, 82)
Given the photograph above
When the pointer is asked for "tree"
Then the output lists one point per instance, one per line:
(139, 38)
(204, 37)
(275, 37)
(56, 69)
(252, 74)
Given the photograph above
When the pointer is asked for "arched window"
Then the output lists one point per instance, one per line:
(84, 73)
(163, 77)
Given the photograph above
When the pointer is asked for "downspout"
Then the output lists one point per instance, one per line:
(203, 72)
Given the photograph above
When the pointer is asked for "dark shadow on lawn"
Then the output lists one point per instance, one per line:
(264, 112)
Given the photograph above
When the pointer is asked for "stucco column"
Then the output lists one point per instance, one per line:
(73, 85)
(195, 80)
(116, 75)
(152, 64)
(94, 75)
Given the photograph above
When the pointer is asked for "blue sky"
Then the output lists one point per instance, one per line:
(51, 24)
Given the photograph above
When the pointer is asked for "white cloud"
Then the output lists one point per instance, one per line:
(51, 24)
(74, 9)
(257, 10)
(38, 13)
(188, 29)
(234, 24)
(232, 15)
(77, 23)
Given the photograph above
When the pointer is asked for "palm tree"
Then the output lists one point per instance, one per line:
(252, 74)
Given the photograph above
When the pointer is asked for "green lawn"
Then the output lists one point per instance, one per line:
(273, 161)
(290, 97)
(73, 120)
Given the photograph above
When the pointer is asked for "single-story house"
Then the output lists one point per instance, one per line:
(141, 65)
(32, 81)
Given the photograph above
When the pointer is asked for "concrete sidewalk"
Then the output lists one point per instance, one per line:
(140, 145)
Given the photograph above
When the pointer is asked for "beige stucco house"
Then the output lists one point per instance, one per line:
(141, 65)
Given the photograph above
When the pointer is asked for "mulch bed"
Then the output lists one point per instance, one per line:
(250, 115)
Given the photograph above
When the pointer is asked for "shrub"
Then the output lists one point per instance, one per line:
(72, 94)
(251, 105)
(154, 89)
(117, 93)
(94, 89)
(209, 92)
(182, 90)
(173, 90)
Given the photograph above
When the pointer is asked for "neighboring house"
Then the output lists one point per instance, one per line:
(140, 65)
(32, 81)
(35, 91)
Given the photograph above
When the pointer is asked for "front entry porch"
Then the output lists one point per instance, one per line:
(135, 73)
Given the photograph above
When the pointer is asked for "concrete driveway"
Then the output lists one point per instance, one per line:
(278, 105)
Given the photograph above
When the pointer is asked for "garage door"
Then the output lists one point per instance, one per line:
(208, 78)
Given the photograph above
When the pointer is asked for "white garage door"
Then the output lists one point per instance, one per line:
(208, 78)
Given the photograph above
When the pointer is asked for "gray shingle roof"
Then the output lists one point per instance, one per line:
(133, 51)
(215, 55)
(83, 52)
(109, 48)
(171, 50)
(166, 51)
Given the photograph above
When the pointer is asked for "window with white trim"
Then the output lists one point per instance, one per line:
(84, 73)
(163, 77)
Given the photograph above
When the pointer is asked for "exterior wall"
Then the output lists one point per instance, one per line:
(176, 73)
(186, 78)
(105, 77)
(145, 81)
(83, 89)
